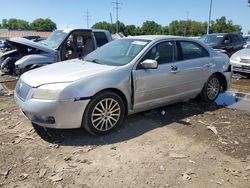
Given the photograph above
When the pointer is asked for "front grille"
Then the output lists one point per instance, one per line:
(242, 60)
(22, 90)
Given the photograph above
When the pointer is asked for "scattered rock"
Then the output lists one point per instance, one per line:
(6, 173)
(42, 172)
(233, 172)
(186, 176)
(67, 158)
(113, 148)
(177, 156)
(56, 177)
(163, 112)
(23, 176)
(213, 129)
(248, 168)
(219, 183)
(191, 161)
(162, 168)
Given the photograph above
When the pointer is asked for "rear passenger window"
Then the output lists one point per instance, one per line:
(235, 38)
(101, 38)
(162, 53)
(191, 50)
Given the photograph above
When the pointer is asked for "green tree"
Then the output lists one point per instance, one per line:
(16, 24)
(222, 25)
(41, 24)
(104, 25)
(249, 32)
(151, 28)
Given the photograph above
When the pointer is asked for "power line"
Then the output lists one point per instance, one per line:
(117, 4)
(87, 16)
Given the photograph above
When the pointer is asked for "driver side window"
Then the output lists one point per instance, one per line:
(163, 53)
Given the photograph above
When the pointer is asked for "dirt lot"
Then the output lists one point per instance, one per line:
(189, 144)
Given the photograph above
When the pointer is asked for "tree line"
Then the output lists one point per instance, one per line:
(177, 27)
(39, 24)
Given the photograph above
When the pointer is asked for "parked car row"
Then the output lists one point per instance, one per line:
(235, 46)
(123, 77)
(61, 45)
(227, 43)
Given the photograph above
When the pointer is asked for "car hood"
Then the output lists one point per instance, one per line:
(245, 53)
(20, 43)
(66, 71)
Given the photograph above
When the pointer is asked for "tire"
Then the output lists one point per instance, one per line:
(104, 113)
(211, 89)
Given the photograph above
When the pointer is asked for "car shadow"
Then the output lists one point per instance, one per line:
(134, 125)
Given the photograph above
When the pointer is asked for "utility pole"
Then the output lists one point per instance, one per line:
(117, 4)
(87, 16)
(209, 17)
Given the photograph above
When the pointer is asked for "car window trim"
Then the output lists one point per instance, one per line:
(196, 43)
(152, 46)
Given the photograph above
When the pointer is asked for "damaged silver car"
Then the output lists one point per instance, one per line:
(123, 77)
(61, 45)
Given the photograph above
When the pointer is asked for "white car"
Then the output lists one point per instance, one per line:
(240, 61)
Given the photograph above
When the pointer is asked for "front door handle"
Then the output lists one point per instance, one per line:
(174, 69)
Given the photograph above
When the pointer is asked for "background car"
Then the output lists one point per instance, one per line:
(247, 39)
(123, 77)
(228, 43)
(61, 45)
(240, 61)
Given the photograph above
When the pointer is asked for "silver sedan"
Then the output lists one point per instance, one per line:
(126, 76)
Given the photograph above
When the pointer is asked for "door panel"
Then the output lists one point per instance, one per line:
(153, 87)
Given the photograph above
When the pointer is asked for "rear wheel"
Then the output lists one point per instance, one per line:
(104, 113)
(211, 89)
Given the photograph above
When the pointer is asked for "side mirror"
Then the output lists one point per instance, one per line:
(149, 64)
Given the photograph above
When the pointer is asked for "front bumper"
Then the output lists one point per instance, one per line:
(240, 67)
(64, 114)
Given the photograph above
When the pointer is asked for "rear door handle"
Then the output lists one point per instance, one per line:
(208, 65)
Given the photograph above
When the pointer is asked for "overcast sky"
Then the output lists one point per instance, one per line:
(71, 12)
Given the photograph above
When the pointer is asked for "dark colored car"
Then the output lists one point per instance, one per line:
(228, 43)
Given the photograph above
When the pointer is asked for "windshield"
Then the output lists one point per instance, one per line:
(117, 53)
(211, 38)
(55, 39)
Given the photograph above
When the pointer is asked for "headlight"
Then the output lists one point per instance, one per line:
(235, 58)
(49, 91)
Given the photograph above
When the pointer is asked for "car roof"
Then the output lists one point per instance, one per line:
(156, 37)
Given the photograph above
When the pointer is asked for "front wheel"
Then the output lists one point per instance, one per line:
(104, 113)
(211, 89)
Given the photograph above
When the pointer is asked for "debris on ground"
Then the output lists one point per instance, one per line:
(56, 177)
(6, 173)
(186, 176)
(213, 129)
(23, 176)
(42, 172)
(177, 156)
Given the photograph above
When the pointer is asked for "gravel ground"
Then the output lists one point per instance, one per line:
(189, 144)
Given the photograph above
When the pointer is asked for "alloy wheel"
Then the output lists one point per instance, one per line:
(106, 114)
(213, 88)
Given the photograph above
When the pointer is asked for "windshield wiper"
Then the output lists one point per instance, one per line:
(97, 61)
